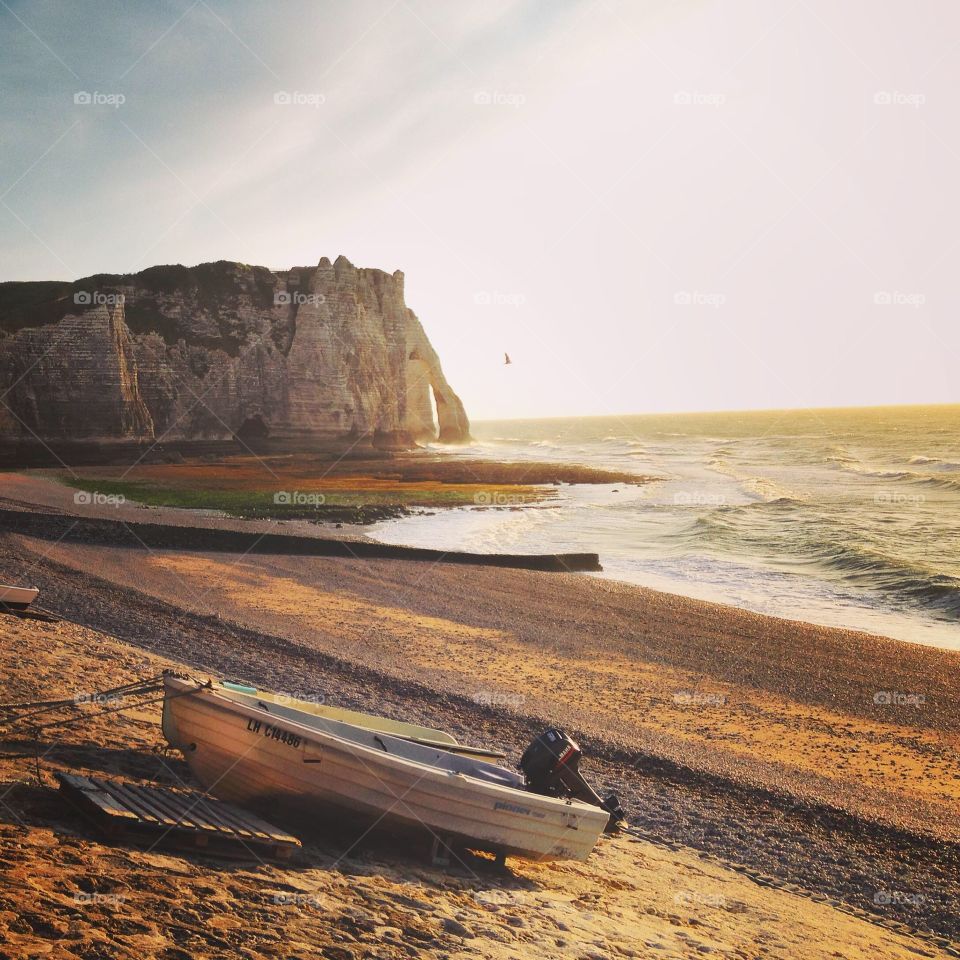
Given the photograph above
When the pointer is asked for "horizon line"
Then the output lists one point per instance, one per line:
(693, 413)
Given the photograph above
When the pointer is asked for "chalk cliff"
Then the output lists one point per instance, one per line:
(303, 356)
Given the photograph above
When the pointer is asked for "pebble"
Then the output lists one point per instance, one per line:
(457, 928)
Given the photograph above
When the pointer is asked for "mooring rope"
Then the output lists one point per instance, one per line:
(137, 688)
(90, 715)
(143, 684)
(102, 698)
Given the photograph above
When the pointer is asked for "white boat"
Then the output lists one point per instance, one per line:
(270, 752)
(17, 598)
(428, 736)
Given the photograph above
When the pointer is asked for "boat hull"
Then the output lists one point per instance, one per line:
(258, 760)
(17, 598)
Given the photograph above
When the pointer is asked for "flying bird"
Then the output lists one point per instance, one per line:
(506, 359)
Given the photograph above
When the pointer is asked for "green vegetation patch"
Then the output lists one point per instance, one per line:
(308, 504)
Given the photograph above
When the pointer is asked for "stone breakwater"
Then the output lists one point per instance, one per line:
(156, 536)
(222, 350)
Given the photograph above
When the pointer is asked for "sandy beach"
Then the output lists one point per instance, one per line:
(744, 746)
(68, 894)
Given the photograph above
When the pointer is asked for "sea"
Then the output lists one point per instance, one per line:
(843, 517)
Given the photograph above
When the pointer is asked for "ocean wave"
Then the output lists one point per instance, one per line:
(935, 462)
(938, 483)
(769, 490)
(837, 454)
(911, 477)
(760, 488)
(759, 528)
(909, 583)
(880, 473)
(885, 474)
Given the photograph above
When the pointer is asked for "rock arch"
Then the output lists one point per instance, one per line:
(426, 387)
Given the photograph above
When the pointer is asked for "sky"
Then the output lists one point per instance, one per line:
(651, 206)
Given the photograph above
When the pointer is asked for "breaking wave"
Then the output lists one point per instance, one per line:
(760, 527)
(911, 584)
(912, 477)
(935, 462)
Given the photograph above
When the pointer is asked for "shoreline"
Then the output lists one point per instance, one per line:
(38, 491)
(907, 627)
(791, 590)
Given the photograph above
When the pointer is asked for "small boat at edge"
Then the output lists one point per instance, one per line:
(17, 598)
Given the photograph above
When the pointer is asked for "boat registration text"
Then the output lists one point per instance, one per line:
(274, 733)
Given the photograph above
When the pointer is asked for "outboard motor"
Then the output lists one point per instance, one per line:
(551, 766)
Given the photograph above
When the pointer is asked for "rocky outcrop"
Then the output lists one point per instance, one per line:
(222, 350)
